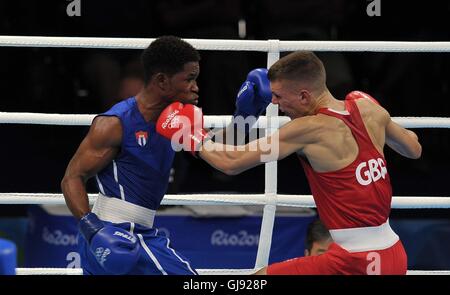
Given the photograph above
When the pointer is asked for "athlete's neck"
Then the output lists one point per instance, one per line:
(150, 104)
(327, 100)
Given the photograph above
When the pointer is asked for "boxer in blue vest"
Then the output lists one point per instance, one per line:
(131, 164)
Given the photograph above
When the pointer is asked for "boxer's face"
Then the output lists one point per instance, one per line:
(289, 97)
(318, 247)
(183, 85)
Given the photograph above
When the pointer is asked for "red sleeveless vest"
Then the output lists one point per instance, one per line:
(358, 195)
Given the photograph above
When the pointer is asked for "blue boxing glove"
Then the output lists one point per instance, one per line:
(115, 249)
(254, 95)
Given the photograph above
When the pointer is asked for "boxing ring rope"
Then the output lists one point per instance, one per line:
(79, 271)
(305, 201)
(270, 199)
(210, 121)
(234, 45)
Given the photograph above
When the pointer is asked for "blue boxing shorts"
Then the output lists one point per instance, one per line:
(156, 257)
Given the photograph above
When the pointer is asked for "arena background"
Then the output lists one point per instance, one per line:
(72, 81)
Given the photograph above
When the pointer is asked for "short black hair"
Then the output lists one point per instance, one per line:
(168, 55)
(316, 232)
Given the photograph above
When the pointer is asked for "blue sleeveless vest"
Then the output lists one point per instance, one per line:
(140, 172)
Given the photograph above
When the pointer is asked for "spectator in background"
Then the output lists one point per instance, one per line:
(318, 239)
(109, 76)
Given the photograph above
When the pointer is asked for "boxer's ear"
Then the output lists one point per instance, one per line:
(162, 80)
(304, 97)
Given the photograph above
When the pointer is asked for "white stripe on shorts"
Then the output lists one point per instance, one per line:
(184, 261)
(151, 255)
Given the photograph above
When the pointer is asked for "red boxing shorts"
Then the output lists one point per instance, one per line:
(338, 261)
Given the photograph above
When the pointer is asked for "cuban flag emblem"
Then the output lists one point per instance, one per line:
(141, 137)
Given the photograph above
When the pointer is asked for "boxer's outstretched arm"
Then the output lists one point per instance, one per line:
(403, 141)
(98, 148)
(233, 160)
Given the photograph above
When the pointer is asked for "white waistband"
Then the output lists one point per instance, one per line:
(361, 239)
(117, 211)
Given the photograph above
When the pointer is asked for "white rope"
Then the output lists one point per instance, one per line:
(218, 44)
(271, 177)
(37, 199)
(49, 271)
(225, 271)
(210, 121)
(422, 122)
(45, 119)
(398, 202)
(428, 272)
(79, 271)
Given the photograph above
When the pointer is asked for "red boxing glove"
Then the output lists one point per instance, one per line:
(354, 95)
(182, 124)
